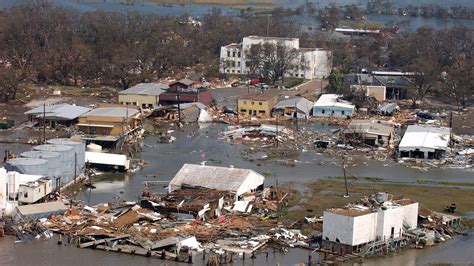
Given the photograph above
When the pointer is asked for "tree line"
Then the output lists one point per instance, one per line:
(47, 44)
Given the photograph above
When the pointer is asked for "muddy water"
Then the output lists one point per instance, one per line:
(194, 145)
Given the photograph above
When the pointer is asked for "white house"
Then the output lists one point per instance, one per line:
(314, 63)
(329, 105)
(238, 181)
(425, 142)
(349, 229)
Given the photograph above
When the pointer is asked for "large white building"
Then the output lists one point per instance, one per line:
(314, 63)
(349, 229)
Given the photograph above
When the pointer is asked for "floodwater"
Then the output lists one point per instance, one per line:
(196, 144)
(148, 7)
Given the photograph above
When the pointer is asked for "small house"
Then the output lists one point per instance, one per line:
(34, 191)
(298, 107)
(235, 180)
(143, 95)
(424, 142)
(370, 132)
(186, 91)
(256, 105)
(330, 105)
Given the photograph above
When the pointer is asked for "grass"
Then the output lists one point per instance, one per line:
(442, 182)
(324, 194)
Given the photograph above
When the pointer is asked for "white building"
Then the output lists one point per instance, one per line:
(236, 180)
(11, 183)
(315, 63)
(349, 229)
(425, 142)
(330, 105)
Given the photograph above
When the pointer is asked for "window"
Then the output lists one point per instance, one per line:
(239, 54)
(252, 103)
(243, 110)
(134, 103)
(232, 64)
(343, 112)
(25, 195)
(238, 71)
(238, 63)
(233, 71)
(228, 53)
(323, 111)
(260, 103)
(302, 75)
(227, 71)
(233, 54)
(121, 102)
(261, 112)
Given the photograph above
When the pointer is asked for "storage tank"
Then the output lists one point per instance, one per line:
(66, 159)
(53, 158)
(79, 148)
(28, 166)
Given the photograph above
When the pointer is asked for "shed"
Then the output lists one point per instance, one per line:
(40, 210)
(236, 180)
(425, 142)
(330, 105)
(144, 95)
(302, 105)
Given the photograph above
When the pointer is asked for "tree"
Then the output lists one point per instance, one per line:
(418, 54)
(8, 84)
(336, 82)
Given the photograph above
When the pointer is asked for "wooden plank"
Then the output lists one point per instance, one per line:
(101, 241)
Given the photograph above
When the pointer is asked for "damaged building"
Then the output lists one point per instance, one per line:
(369, 224)
(235, 180)
(424, 142)
(298, 107)
(370, 132)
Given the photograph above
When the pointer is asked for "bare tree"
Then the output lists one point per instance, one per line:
(8, 84)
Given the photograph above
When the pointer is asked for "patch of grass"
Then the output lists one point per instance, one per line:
(267, 173)
(373, 178)
(325, 194)
(443, 182)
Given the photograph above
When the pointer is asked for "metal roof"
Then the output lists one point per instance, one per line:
(301, 104)
(215, 177)
(152, 89)
(112, 112)
(369, 127)
(332, 100)
(425, 137)
(48, 207)
(58, 111)
(187, 82)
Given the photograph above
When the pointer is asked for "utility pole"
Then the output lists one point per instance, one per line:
(451, 142)
(44, 122)
(268, 25)
(276, 135)
(345, 177)
(296, 117)
(179, 109)
(238, 112)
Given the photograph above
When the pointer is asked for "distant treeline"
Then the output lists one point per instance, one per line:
(47, 44)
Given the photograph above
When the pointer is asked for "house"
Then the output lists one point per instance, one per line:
(38, 211)
(379, 220)
(313, 63)
(34, 191)
(294, 107)
(370, 132)
(425, 142)
(57, 114)
(143, 95)
(394, 84)
(329, 105)
(10, 183)
(186, 91)
(255, 105)
(110, 120)
(235, 180)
